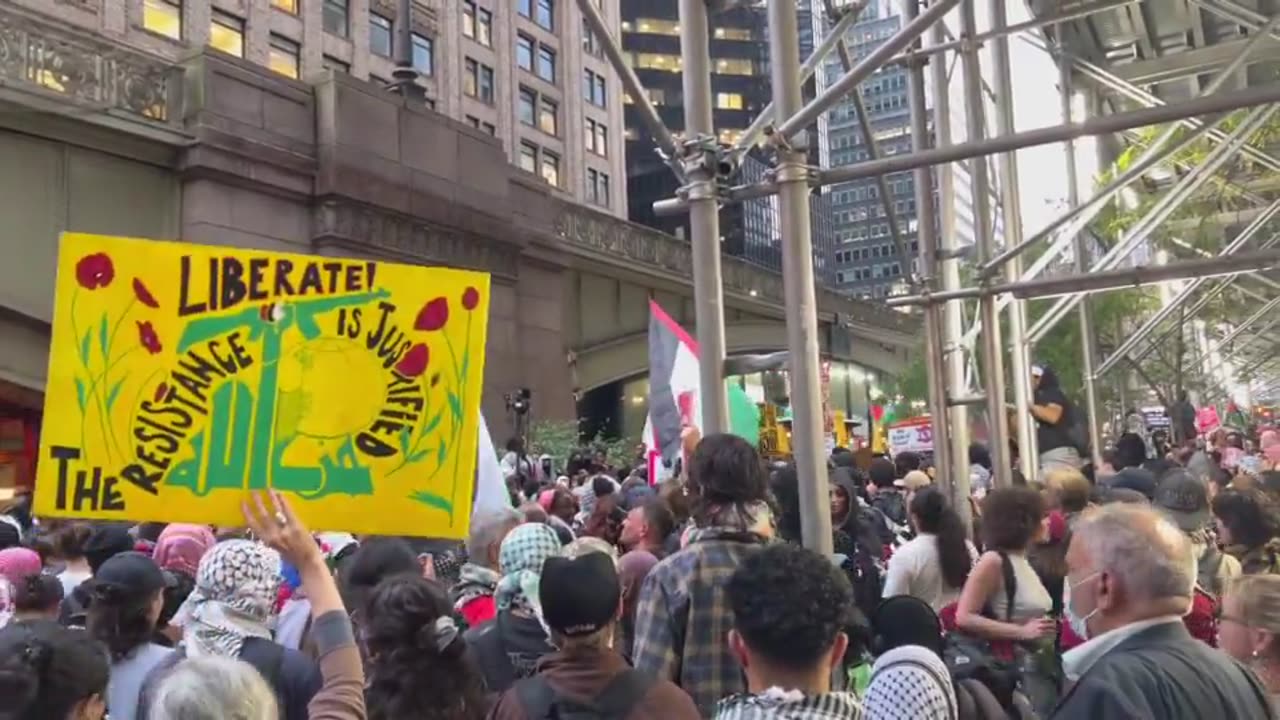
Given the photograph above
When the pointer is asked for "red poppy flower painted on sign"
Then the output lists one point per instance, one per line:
(144, 295)
(161, 390)
(148, 337)
(433, 315)
(470, 298)
(95, 271)
(414, 362)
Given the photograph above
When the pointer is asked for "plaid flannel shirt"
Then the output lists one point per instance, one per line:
(683, 617)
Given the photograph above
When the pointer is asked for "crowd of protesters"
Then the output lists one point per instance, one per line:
(1148, 587)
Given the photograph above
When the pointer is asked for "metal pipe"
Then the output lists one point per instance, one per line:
(1154, 153)
(755, 130)
(1261, 279)
(952, 313)
(1074, 13)
(667, 146)
(1181, 298)
(1164, 207)
(927, 232)
(1088, 353)
(1212, 104)
(984, 236)
(1011, 202)
(1235, 331)
(874, 60)
(873, 151)
(704, 216)
(405, 75)
(1106, 279)
(808, 424)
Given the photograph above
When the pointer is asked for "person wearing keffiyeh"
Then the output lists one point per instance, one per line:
(508, 647)
(478, 578)
(232, 613)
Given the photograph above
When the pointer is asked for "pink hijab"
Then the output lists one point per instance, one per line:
(1269, 443)
(19, 562)
(180, 547)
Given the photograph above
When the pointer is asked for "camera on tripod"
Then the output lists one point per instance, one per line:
(519, 401)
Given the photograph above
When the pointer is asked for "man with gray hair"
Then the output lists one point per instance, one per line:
(478, 578)
(1130, 574)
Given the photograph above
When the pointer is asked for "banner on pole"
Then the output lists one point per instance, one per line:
(182, 376)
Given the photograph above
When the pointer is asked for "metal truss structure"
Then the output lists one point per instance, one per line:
(707, 171)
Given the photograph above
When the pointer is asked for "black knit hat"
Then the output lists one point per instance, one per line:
(579, 596)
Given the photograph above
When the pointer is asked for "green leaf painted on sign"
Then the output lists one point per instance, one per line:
(441, 452)
(404, 441)
(455, 406)
(113, 393)
(84, 346)
(466, 361)
(433, 500)
(432, 424)
(80, 394)
(420, 455)
(102, 337)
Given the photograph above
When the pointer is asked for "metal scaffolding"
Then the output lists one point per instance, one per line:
(706, 170)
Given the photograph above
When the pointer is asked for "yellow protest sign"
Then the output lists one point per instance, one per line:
(182, 376)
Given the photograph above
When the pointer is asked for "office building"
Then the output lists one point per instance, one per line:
(526, 71)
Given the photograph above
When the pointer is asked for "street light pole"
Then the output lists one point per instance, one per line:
(798, 286)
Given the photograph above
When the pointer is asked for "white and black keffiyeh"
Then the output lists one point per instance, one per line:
(910, 683)
(234, 599)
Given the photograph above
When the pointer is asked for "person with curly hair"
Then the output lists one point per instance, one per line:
(410, 634)
(789, 610)
(127, 597)
(1249, 529)
(683, 607)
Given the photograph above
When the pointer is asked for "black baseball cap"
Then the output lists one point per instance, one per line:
(1184, 499)
(130, 574)
(1137, 479)
(579, 595)
(105, 542)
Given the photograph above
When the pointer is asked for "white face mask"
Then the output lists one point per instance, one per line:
(1079, 625)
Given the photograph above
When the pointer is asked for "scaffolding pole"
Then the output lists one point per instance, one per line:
(1088, 354)
(1185, 294)
(927, 232)
(1168, 203)
(949, 267)
(704, 213)
(755, 130)
(1104, 125)
(992, 347)
(1011, 202)
(803, 117)
(798, 286)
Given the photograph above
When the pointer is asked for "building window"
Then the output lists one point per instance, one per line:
(477, 23)
(597, 138)
(283, 56)
(336, 65)
(732, 33)
(528, 107)
(163, 17)
(226, 33)
(593, 88)
(549, 116)
(729, 101)
(657, 61)
(590, 43)
(289, 6)
(597, 187)
(489, 128)
(547, 63)
(545, 15)
(379, 35)
(528, 157)
(335, 17)
(424, 54)
(550, 168)
(657, 26)
(477, 81)
(524, 52)
(734, 66)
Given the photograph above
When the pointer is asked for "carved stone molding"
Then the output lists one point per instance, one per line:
(46, 56)
(429, 244)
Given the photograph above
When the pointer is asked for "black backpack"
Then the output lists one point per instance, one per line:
(541, 701)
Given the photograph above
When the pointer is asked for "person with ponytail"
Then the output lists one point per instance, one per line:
(51, 673)
(36, 597)
(934, 565)
(410, 634)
